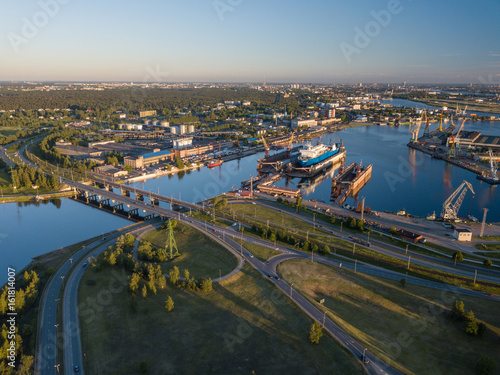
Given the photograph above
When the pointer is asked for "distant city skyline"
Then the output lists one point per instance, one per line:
(241, 41)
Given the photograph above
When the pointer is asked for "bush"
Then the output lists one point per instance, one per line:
(143, 367)
(315, 333)
(487, 262)
(485, 365)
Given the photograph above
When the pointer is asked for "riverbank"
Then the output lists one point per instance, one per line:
(494, 110)
(34, 197)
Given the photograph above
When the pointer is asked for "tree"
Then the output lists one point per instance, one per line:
(175, 275)
(332, 219)
(325, 250)
(144, 291)
(487, 262)
(143, 367)
(186, 274)
(485, 365)
(481, 329)
(169, 304)
(471, 327)
(315, 248)
(458, 257)
(315, 333)
(458, 309)
(403, 282)
(206, 285)
(360, 224)
(393, 231)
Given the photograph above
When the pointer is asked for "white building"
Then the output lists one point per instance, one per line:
(462, 234)
(183, 142)
(298, 122)
(191, 129)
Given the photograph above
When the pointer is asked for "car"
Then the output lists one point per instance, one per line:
(277, 277)
(250, 255)
(269, 275)
(313, 200)
(76, 368)
(85, 265)
(489, 294)
(214, 230)
(253, 203)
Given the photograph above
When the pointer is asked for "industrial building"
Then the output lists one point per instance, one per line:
(147, 113)
(299, 122)
(148, 159)
(462, 234)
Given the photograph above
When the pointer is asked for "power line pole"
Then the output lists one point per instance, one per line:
(484, 222)
(409, 258)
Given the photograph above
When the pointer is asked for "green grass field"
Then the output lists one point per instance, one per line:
(201, 255)
(488, 246)
(407, 326)
(243, 326)
(261, 252)
(493, 255)
(280, 218)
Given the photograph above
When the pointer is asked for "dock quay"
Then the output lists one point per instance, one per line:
(349, 182)
(288, 192)
(471, 167)
(278, 161)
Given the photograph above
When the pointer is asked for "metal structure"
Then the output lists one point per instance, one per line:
(266, 147)
(452, 205)
(452, 144)
(171, 245)
(493, 166)
(415, 128)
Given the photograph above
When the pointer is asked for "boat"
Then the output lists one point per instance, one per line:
(313, 160)
(432, 216)
(401, 212)
(215, 163)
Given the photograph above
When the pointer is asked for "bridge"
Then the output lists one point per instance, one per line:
(140, 194)
(123, 204)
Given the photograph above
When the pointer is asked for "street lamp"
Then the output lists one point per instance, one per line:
(57, 367)
(364, 351)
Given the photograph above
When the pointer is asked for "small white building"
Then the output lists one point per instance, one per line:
(182, 142)
(462, 234)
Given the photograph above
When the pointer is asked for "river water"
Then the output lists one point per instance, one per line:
(401, 178)
(31, 229)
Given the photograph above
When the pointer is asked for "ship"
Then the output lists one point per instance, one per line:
(315, 159)
(215, 163)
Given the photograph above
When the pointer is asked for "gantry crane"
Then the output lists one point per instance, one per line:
(266, 147)
(451, 207)
(415, 128)
(452, 147)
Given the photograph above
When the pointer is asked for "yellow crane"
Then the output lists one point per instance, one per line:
(266, 147)
(452, 152)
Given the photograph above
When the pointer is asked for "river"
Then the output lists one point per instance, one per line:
(31, 229)
(401, 178)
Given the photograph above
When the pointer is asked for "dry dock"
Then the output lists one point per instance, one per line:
(349, 182)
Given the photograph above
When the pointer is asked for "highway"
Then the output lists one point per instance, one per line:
(48, 331)
(489, 275)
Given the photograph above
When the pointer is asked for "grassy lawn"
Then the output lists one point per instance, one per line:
(244, 326)
(408, 326)
(488, 238)
(4, 177)
(495, 255)
(201, 255)
(280, 218)
(488, 246)
(261, 252)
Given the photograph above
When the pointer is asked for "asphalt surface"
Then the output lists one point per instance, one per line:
(72, 346)
(489, 275)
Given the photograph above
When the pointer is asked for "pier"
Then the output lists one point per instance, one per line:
(349, 182)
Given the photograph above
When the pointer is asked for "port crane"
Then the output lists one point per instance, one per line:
(493, 166)
(266, 147)
(415, 128)
(452, 152)
(452, 205)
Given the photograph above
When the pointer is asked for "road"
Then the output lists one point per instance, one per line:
(47, 346)
(488, 275)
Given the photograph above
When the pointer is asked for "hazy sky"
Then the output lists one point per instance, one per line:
(326, 41)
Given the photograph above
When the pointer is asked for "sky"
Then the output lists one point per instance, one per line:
(281, 41)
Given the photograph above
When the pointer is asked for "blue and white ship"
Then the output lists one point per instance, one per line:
(315, 159)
